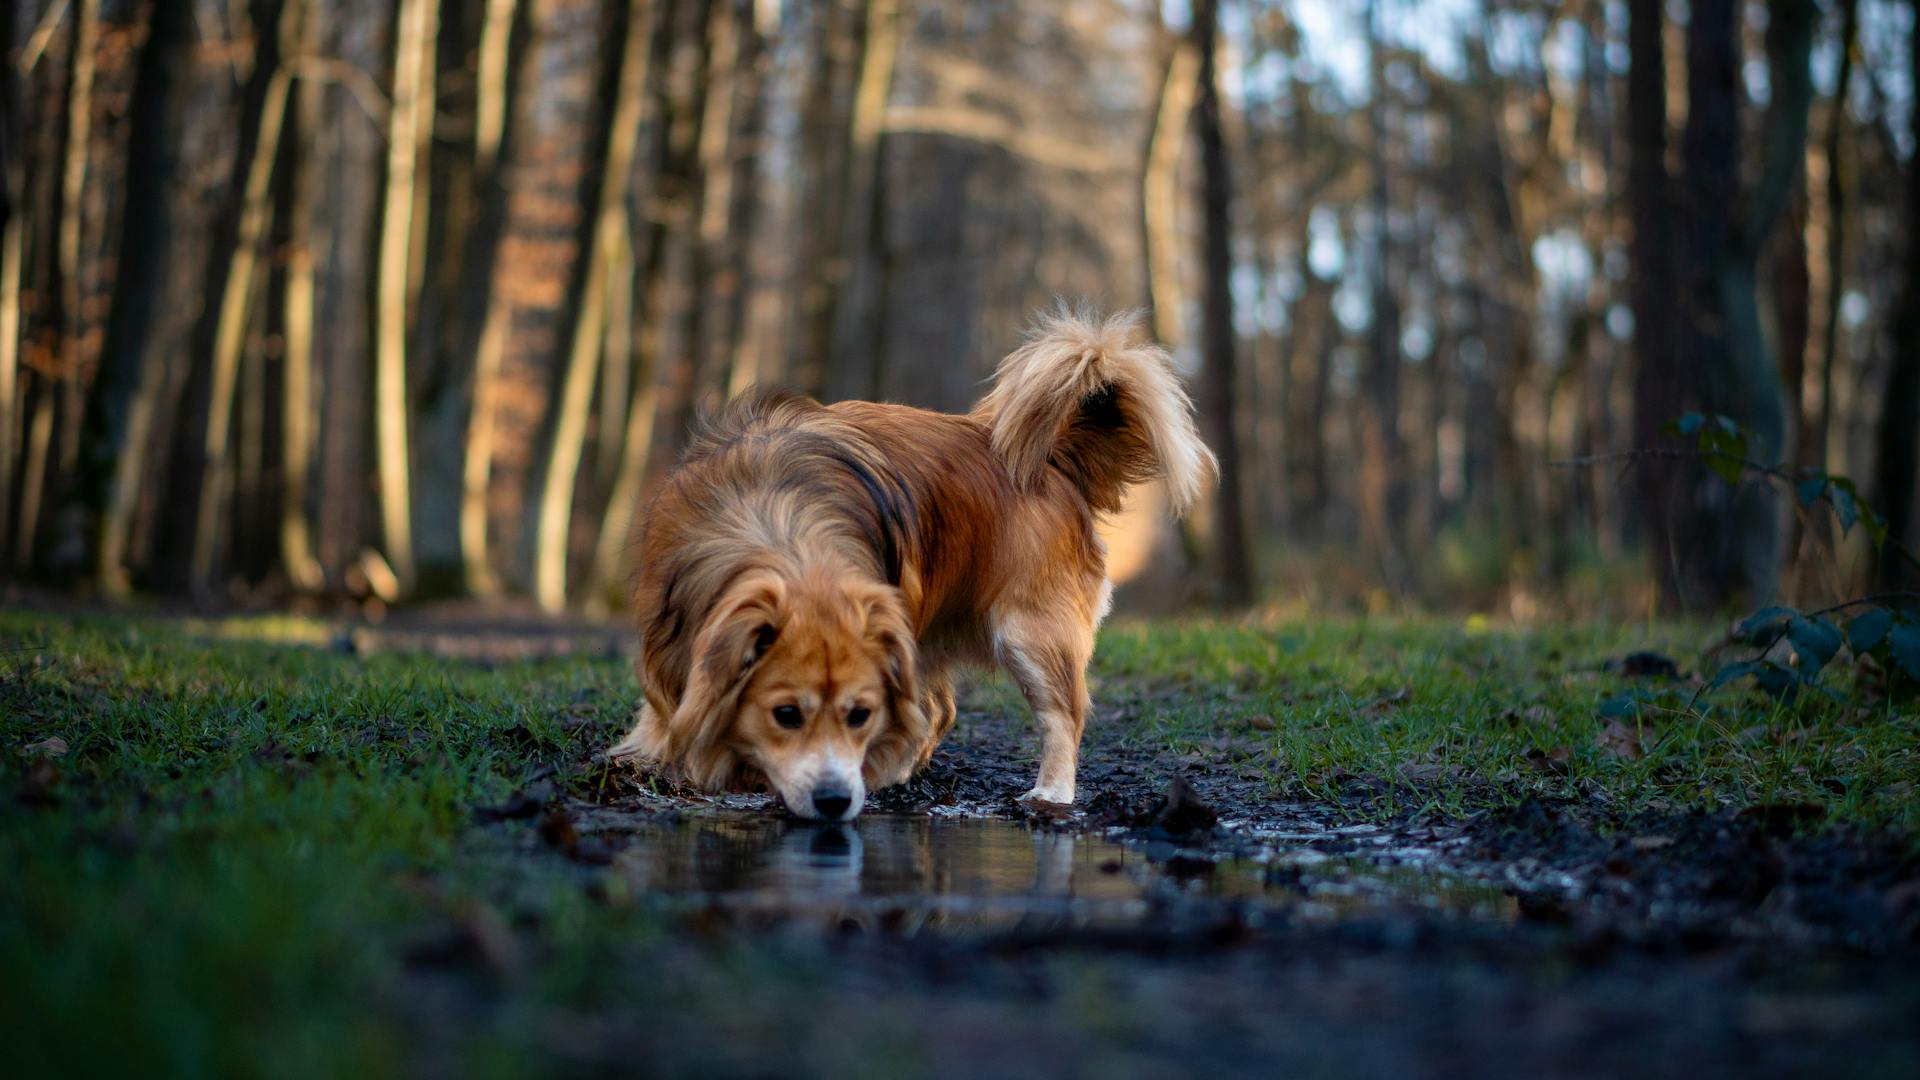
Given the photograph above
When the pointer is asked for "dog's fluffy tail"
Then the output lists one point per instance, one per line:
(1099, 400)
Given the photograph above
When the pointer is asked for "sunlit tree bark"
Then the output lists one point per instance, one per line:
(576, 393)
(231, 325)
(536, 265)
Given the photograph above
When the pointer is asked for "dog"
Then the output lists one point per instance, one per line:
(809, 574)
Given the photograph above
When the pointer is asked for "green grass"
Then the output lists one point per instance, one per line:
(245, 839)
(1458, 717)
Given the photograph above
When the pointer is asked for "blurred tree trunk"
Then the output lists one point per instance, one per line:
(297, 400)
(409, 130)
(1382, 481)
(534, 270)
(660, 245)
(481, 325)
(610, 229)
(1219, 384)
(739, 366)
(185, 133)
(1816, 429)
(1663, 386)
(821, 184)
(213, 525)
(345, 150)
(1713, 545)
(856, 365)
(1160, 189)
(1898, 438)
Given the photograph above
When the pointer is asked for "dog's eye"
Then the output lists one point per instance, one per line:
(788, 716)
(858, 716)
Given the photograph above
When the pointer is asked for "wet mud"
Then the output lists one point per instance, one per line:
(1181, 919)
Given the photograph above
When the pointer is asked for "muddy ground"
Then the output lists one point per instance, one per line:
(1250, 935)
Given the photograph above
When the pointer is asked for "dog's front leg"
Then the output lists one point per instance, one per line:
(644, 742)
(1052, 674)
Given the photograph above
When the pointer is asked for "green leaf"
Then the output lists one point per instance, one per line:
(1731, 672)
(1868, 629)
(1623, 705)
(1686, 423)
(1845, 508)
(1776, 679)
(1811, 488)
(1875, 525)
(1726, 468)
(1815, 641)
(1903, 645)
(1765, 620)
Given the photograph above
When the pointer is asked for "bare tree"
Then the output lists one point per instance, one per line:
(1220, 382)
(1898, 436)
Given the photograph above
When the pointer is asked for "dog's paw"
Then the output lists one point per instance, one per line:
(1049, 802)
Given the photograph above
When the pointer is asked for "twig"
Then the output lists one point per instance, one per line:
(1631, 456)
(1876, 598)
(1789, 475)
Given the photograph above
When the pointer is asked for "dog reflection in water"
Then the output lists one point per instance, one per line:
(824, 861)
(874, 857)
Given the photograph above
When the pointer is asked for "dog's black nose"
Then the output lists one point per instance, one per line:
(831, 802)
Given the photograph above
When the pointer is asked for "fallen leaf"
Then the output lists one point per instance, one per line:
(51, 747)
(1387, 702)
(1182, 813)
(1262, 723)
(1421, 774)
(1620, 740)
(1552, 762)
(1646, 665)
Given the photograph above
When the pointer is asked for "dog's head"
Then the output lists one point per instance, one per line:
(811, 682)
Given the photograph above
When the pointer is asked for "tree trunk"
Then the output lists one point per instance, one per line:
(576, 395)
(1382, 493)
(1712, 544)
(410, 121)
(212, 532)
(1817, 428)
(857, 358)
(1235, 566)
(1160, 189)
(184, 133)
(345, 152)
(1898, 440)
(535, 268)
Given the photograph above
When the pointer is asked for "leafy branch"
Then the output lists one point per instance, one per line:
(1725, 447)
(1875, 628)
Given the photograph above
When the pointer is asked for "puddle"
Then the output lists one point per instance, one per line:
(953, 875)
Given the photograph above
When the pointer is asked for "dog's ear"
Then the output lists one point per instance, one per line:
(890, 636)
(744, 625)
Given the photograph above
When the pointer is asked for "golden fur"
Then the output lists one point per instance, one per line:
(828, 565)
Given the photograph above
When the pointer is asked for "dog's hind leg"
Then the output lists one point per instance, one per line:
(1047, 657)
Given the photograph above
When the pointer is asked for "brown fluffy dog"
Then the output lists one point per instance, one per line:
(809, 574)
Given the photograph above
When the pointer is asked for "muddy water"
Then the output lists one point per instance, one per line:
(945, 874)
